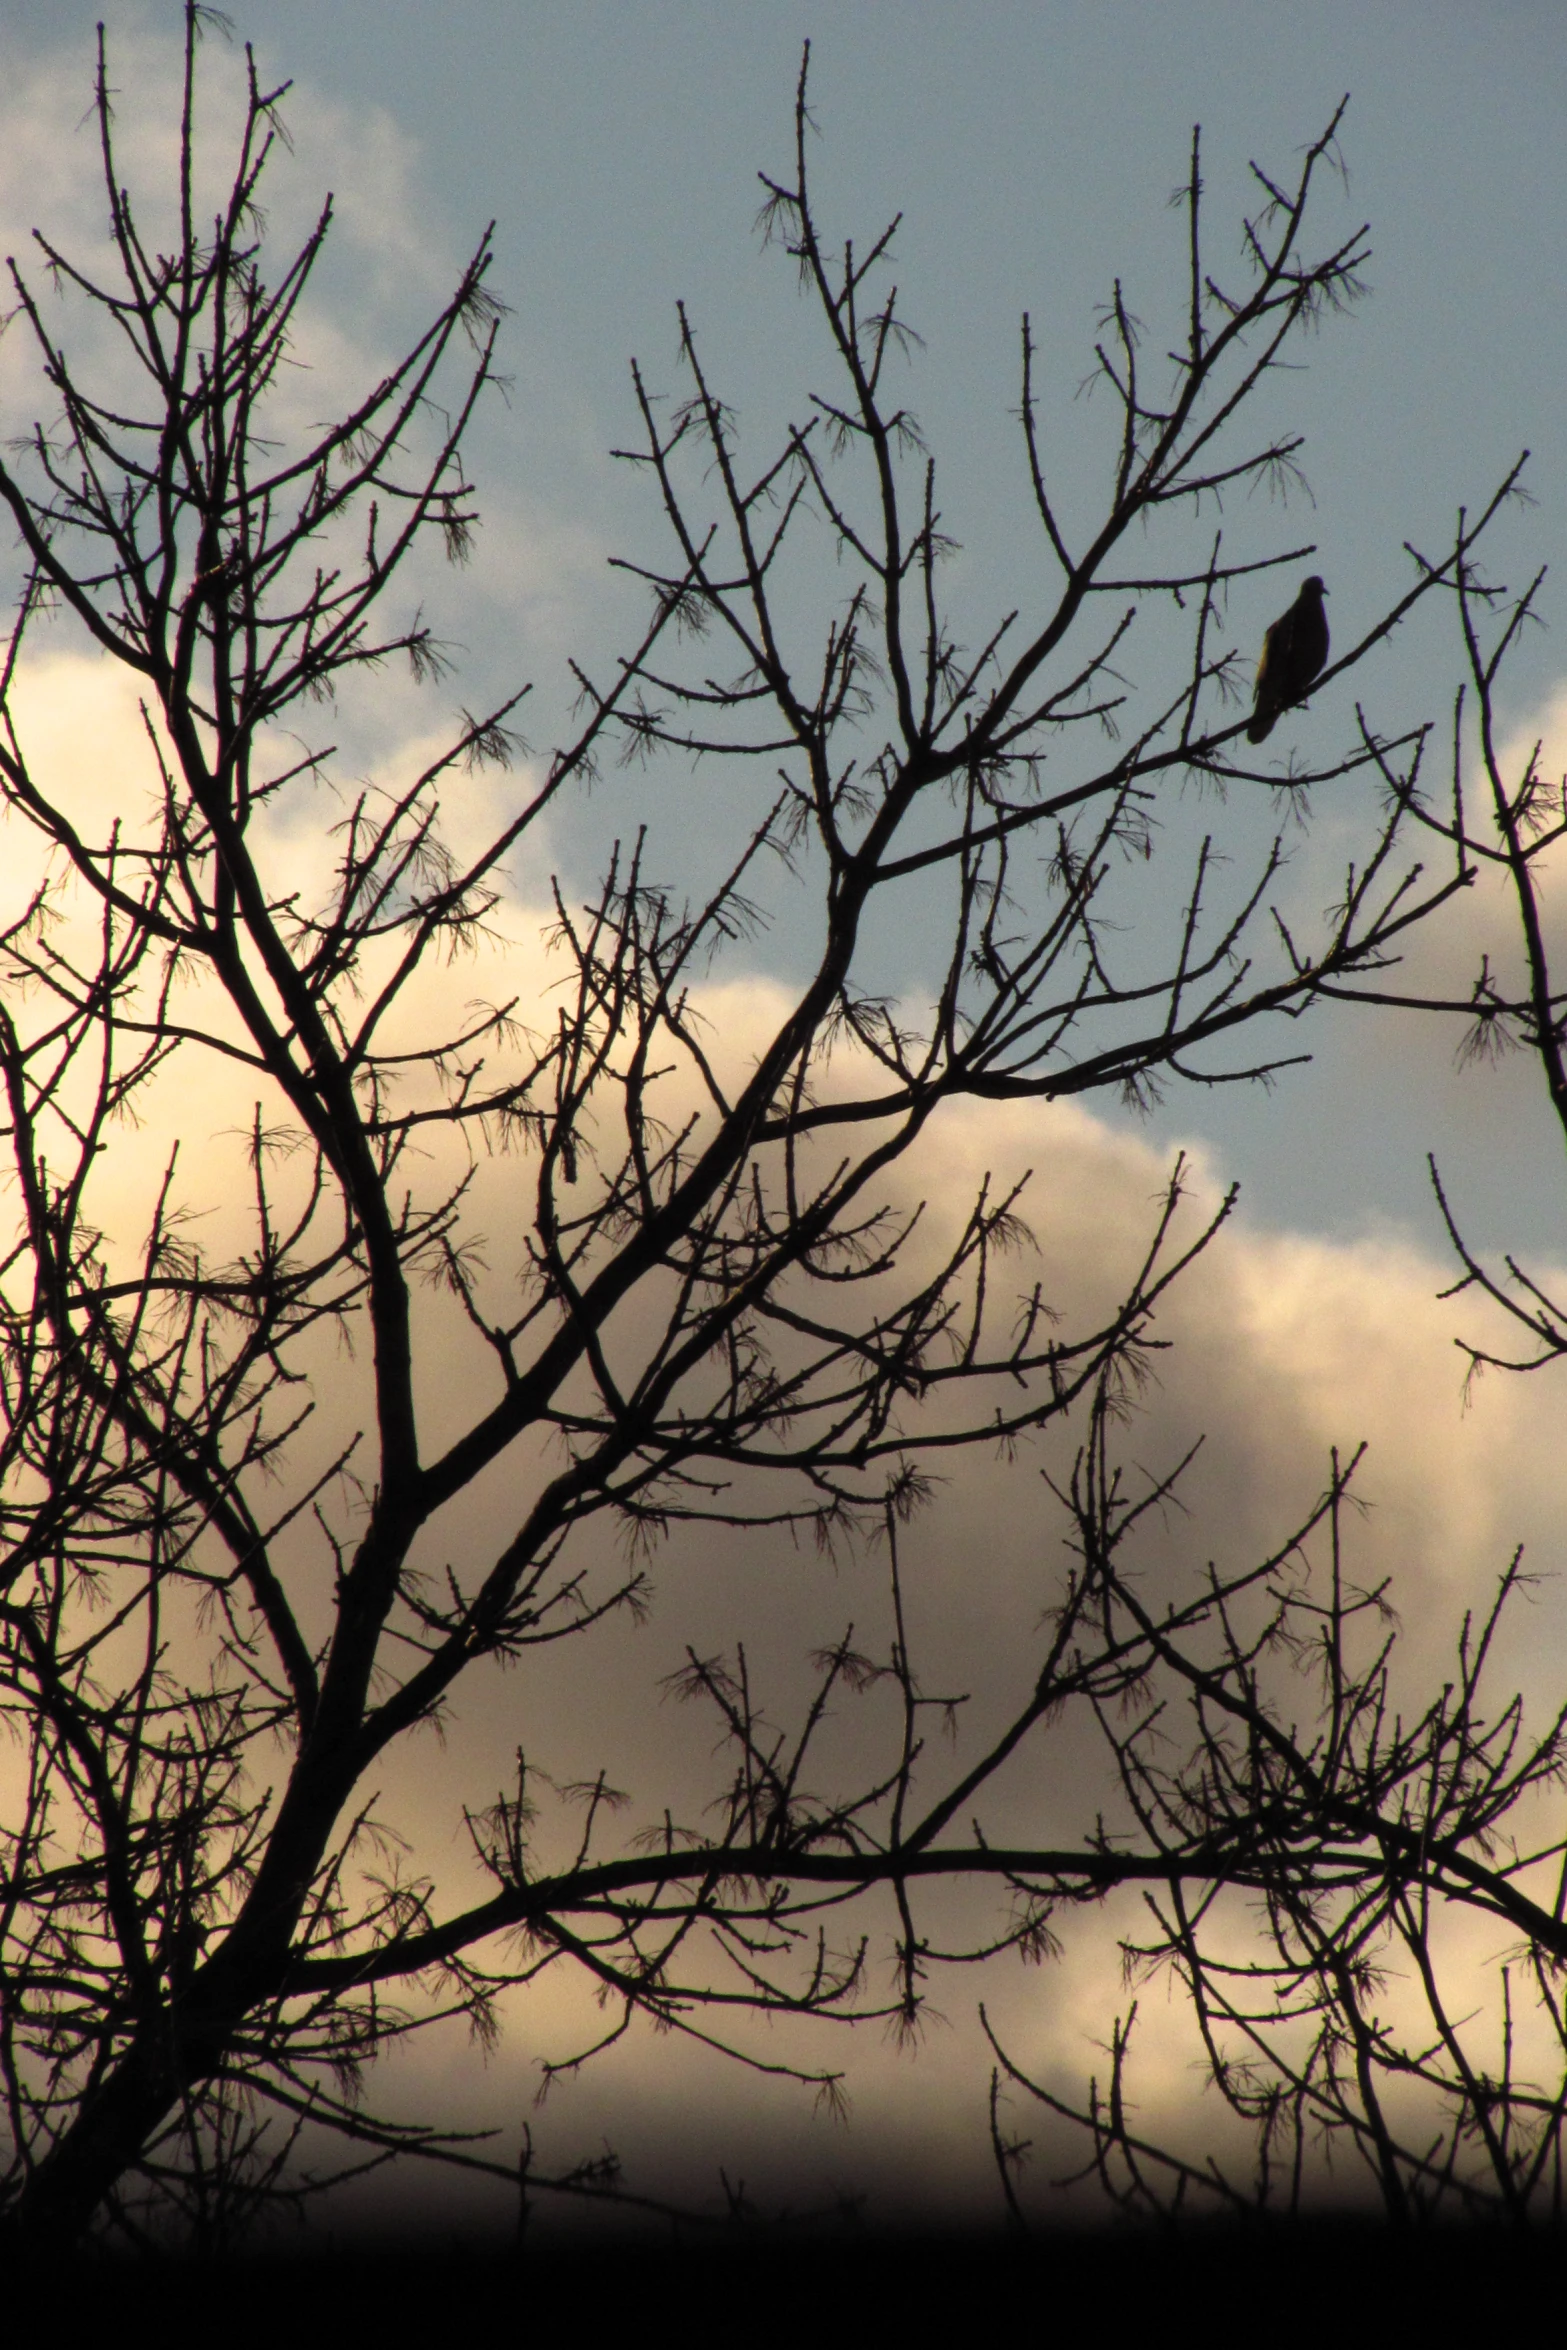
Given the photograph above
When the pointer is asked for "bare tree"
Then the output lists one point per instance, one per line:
(211, 1635)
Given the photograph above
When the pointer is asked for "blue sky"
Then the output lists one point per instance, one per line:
(1031, 149)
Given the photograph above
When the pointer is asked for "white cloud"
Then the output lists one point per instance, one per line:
(385, 270)
(1282, 1346)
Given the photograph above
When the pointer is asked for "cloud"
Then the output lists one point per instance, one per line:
(384, 272)
(1281, 1346)
(51, 174)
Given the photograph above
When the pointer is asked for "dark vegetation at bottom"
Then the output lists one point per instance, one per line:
(1338, 2281)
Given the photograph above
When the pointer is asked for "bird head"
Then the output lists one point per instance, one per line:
(1314, 586)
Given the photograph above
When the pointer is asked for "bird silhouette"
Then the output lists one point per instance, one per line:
(1293, 651)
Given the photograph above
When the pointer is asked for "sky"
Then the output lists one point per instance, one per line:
(1031, 151)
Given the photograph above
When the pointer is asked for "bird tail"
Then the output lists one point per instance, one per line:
(1262, 726)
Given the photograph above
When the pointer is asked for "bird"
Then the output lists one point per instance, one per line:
(1293, 651)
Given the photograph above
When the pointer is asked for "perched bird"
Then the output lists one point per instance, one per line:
(1293, 651)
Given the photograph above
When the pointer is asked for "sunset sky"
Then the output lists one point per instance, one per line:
(1031, 149)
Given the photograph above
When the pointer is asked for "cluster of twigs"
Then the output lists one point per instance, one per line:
(1339, 2017)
